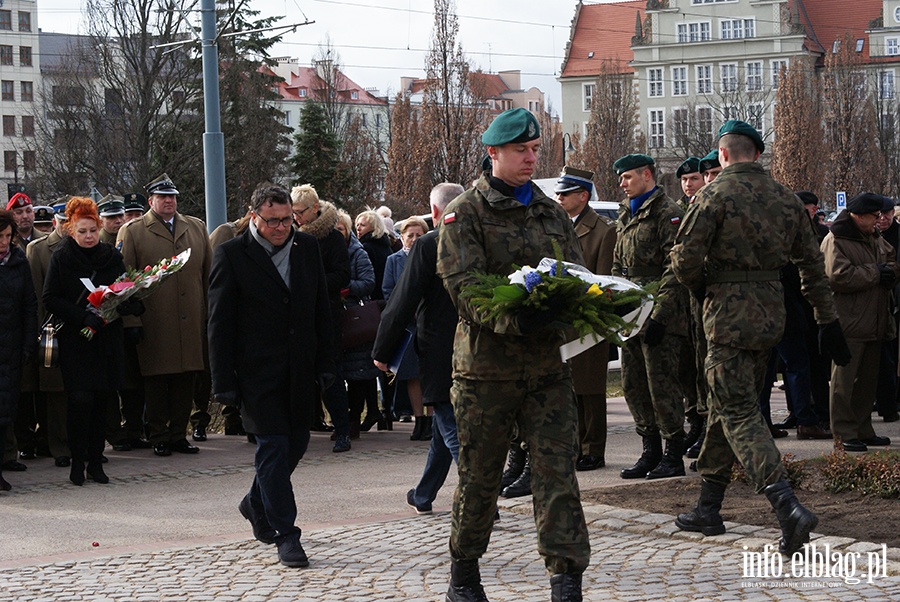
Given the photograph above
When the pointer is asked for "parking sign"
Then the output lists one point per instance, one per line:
(841, 200)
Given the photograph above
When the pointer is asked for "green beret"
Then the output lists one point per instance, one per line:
(734, 126)
(689, 165)
(515, 125)
(629, 162)
(710, 161)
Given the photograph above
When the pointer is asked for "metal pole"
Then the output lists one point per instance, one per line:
(213, 140)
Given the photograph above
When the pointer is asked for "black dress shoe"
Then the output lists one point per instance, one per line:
(27, 455)
(892, 417)
(199, 434)
(162, 449)
(854, 445)
(63, 461)
(877, 441)
(103, 459)
(183, 447)
(14, 466)
(789, 423)
(589, 463)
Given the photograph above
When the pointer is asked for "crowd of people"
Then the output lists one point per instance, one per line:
(750, 282)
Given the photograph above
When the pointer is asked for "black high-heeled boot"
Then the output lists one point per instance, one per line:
(76, 472)
(95, 471)
(417, 429)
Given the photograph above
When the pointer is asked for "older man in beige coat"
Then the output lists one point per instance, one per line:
(172, 331)
(597, 237)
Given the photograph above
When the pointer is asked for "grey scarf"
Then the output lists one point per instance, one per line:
(280, 257)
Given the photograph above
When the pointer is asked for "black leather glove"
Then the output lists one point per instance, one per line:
(886, 276)
(326, 380)
(228, 398)
(653, 332)
(832, 343)
(133, 334)
(132, 307)
(94, 322)
(530, 320)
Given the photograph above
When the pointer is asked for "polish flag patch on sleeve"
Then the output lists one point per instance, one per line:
(676, 220)
(450, 218)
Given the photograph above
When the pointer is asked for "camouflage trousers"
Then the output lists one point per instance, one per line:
(651, 385)
(735, 427)
(697, 401)
(544, 410)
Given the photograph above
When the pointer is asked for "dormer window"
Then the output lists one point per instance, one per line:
(301, 92)
(354, 95)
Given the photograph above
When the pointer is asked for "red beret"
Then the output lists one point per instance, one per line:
(20, 199)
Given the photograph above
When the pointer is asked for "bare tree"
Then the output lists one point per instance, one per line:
(330, 87)
(887, 110)
(361, 170)
(798, 154)
(551, 158)
(855, 164)
(610, 129)
(408, 179)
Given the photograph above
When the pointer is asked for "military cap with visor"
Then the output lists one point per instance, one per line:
(629, 162)
(514, 125)
(162, 185)
(688, 166)
(742, 128)
(135, 201)
(43, 214)
(574, 179)
(110, 206)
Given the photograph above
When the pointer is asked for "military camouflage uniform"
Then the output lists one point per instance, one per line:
(502, 378)
(650, 374)
(745, 227)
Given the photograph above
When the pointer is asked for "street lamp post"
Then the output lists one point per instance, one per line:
(567, 146)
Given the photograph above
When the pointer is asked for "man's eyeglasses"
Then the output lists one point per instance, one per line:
(274, 222)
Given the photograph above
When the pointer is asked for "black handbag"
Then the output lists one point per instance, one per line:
(359, 323)
(48, 346)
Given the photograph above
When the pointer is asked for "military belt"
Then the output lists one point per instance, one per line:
(639, 271)
(749, 276)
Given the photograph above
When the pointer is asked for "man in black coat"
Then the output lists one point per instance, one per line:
(420, 292)
(270, 342)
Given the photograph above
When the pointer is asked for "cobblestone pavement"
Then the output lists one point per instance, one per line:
(170, 531)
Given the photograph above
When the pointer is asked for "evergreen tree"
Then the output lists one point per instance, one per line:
(316, 152)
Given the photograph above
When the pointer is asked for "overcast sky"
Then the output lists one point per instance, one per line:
(380, 41)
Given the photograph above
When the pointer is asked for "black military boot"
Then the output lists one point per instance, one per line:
(698, 425)
(694, 450)
(521, 486)
(465, 582)
(515, 463)
(565, 587)
(671, 465)
(649, 459)
(705, 518)
(795, 520)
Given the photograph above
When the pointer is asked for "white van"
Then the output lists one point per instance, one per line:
(607, 208)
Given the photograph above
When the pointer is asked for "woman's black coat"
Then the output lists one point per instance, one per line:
(378, 249)
(87, 365)
(18, 323)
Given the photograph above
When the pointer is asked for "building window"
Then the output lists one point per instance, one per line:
(68, 96)
(5, 55)
(711, 1)
(755, 115)
(24, 21)
(891, 46)
(301, 92)
(7, 90)
(777, 66)
(377, 120)
(655, 82)
(27, 92)
(859, 44)
(729, 112)
(729, 77)
(587, 96)
(736, 29)
(287, 118)
(29, 160)
(705, 123)
(753, 72)
(886, 84)
(657, 128)
(365, 121)
(6, 19)
(704, 79)
(25, 56)
(9, 125)
(679, 81)
(682, 31)
(9, 160)
(27, 125)
(694, 32)
(680, 127)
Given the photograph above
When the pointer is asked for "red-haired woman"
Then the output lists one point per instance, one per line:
(92, 369)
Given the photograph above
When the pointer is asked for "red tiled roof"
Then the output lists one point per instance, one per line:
(606, 30)
(830, 20)
(306, 78)
(494, 86)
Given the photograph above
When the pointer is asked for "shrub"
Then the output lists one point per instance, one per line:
(797, 471)
(876, 473)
